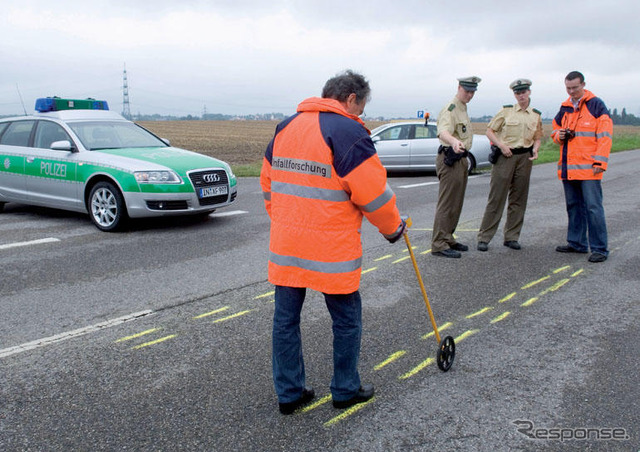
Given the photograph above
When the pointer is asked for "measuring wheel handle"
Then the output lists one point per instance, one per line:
(446, 353)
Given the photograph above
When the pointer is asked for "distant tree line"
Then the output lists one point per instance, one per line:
(624, 118)
(210, 117)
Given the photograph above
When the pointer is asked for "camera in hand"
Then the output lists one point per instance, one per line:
(569, 133)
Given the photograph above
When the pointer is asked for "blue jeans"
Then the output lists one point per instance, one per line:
(288, 363)
(586, 215)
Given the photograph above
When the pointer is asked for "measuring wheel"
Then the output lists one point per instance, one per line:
(446, 353)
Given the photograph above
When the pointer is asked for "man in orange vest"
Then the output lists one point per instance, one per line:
(583, 129)
(320, 175)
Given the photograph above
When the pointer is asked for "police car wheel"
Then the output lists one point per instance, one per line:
(106, 207)
(446, 353)
(471, 163)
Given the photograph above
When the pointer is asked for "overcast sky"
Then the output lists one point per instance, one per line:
(250, 56)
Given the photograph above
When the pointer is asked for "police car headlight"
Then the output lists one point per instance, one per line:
(157, 177)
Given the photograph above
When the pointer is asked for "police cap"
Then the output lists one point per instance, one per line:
(470, 83)
(521, 84)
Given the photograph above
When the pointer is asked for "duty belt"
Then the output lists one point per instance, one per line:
(518, 151)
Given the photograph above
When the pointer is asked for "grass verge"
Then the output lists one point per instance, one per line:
(549, 152)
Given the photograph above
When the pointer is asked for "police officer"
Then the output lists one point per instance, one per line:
(455, 134)
(516, 133)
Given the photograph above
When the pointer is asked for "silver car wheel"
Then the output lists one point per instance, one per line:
(107, 207)
(104, 207)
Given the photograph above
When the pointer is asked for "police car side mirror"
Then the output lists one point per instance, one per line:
(64, 145)
(376, 138)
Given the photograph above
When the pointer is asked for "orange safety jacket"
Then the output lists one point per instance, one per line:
(320, 174)
(591, 144)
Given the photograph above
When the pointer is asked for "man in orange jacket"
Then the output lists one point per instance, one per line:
(583, 129)
(320, 175)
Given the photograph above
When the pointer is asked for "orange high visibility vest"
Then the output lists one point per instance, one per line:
(320, 175)
(591, 144)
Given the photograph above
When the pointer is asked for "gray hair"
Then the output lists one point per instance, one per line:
(346, 83)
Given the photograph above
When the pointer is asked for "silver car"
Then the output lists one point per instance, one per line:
(413, 146)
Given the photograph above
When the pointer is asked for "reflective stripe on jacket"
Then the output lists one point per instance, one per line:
(592, 141)
(320, 175)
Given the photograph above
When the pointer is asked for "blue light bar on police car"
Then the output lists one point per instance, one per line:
(45, 104)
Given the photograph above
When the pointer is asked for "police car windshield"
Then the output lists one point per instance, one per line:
(96, 135)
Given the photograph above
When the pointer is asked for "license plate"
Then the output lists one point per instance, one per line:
(213, 191)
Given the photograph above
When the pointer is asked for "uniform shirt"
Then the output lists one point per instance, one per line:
(454, 119)
(517, 127)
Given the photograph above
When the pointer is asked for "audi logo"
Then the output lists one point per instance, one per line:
(211, 178)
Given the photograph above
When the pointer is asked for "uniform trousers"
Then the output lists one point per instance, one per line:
(453, 184)
(510, 178)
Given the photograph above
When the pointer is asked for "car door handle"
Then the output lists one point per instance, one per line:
(30, 159)
(404, 144)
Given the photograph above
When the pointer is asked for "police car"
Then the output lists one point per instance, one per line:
(77, 155)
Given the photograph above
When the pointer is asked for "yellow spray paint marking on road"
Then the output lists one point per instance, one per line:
(480, 312)
(465, 335)
(501, 317)
(576, 273)
(426, 252)
(137, 335)
(417, 369)
(556, 286)
(264, 295)
(233, 316)
(388, 256)
(508, 297)
(369, 270)
(441, 328)
(533, 283)
(394, 357)
(157, 341)
(316, 404)
(348, 412)
(215, 311)
(530, 301)
(401, 259)
(561, 269)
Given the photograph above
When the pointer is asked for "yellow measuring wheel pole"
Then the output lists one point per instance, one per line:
(424, 292)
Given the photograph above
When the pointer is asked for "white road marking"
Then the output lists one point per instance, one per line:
(424, 184)
(71, 334)
(29, 243)
(228, 214)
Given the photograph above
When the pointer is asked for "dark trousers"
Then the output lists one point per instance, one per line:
(288, 363)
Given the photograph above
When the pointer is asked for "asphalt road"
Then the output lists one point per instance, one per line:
(159, 338)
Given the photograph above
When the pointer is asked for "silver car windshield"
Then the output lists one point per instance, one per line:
(114, 135)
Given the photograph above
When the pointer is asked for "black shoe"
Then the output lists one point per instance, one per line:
(597, 257)
(364, 393)
(512, 244)
(483, 246)
(568, 249)
(459, 247)
(447, 253)
(289, 407)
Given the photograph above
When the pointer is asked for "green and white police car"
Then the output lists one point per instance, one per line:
(77, 155)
